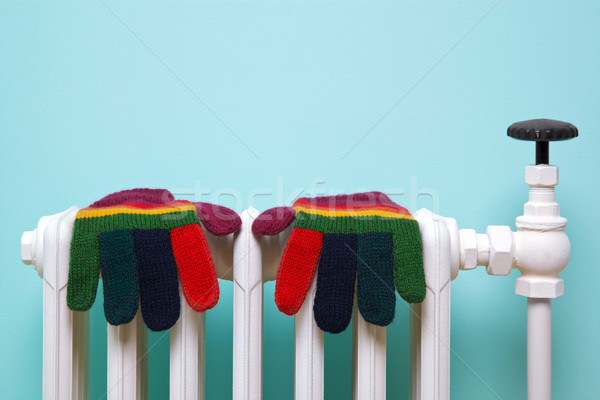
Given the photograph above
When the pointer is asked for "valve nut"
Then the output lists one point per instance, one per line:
(501, 250)
(541, 175)
(468, 249)
(541, 287)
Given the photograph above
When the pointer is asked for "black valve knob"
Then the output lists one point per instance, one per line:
(542, 131)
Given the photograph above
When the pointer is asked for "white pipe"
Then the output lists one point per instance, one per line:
(430, 320)
(66, 333)
(247, 311)
(187, 354)
(539, 347)
(369, 363)
(309, 348)
(127, 360)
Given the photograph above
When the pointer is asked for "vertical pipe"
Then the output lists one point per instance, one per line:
(430, 339)
(309, 348)
(369, 363)
(127, 371)
(66, 333)
(187, 354)
(247, 312)
(539, 370)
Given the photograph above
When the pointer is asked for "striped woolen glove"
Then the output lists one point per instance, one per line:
(142, 240)
(364, 238)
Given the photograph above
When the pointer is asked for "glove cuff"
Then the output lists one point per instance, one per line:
(348, 214)
(218, 220)
(273, 221)
(130, 216)
(140, 195)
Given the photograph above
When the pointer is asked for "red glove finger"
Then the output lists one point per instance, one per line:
(297, 269)
(196, 267)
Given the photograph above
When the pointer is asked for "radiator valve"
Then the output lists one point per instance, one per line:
(542, 248)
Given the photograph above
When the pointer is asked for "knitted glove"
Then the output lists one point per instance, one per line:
(363, 237)
(140, 240)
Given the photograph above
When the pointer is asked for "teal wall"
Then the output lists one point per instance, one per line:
(258, 100)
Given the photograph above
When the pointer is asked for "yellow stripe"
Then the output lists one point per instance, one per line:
(132, 210)
(365, 213)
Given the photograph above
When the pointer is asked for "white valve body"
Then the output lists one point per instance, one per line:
(540, 248)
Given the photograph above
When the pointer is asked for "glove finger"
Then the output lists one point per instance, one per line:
(297, 269)
(273, 221)
(375, 293)
(119, 276)
(409, 275)
(196, 267)
(157, 272)
(84, 269)
(218, 220)
(336, 278)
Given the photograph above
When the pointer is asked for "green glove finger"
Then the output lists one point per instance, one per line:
(84, 270)
(409, 275)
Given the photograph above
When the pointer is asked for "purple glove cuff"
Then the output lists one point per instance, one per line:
(273, 221)
(218, 220)
(149, 196)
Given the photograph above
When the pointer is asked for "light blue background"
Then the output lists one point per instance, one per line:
(246, 97)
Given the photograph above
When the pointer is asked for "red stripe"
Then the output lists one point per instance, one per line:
(354, 207)
(146, 206)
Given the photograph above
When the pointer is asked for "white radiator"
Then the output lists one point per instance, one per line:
(250, 261)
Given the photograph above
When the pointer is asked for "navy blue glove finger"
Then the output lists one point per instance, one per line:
(336, 276)
(157, 272)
